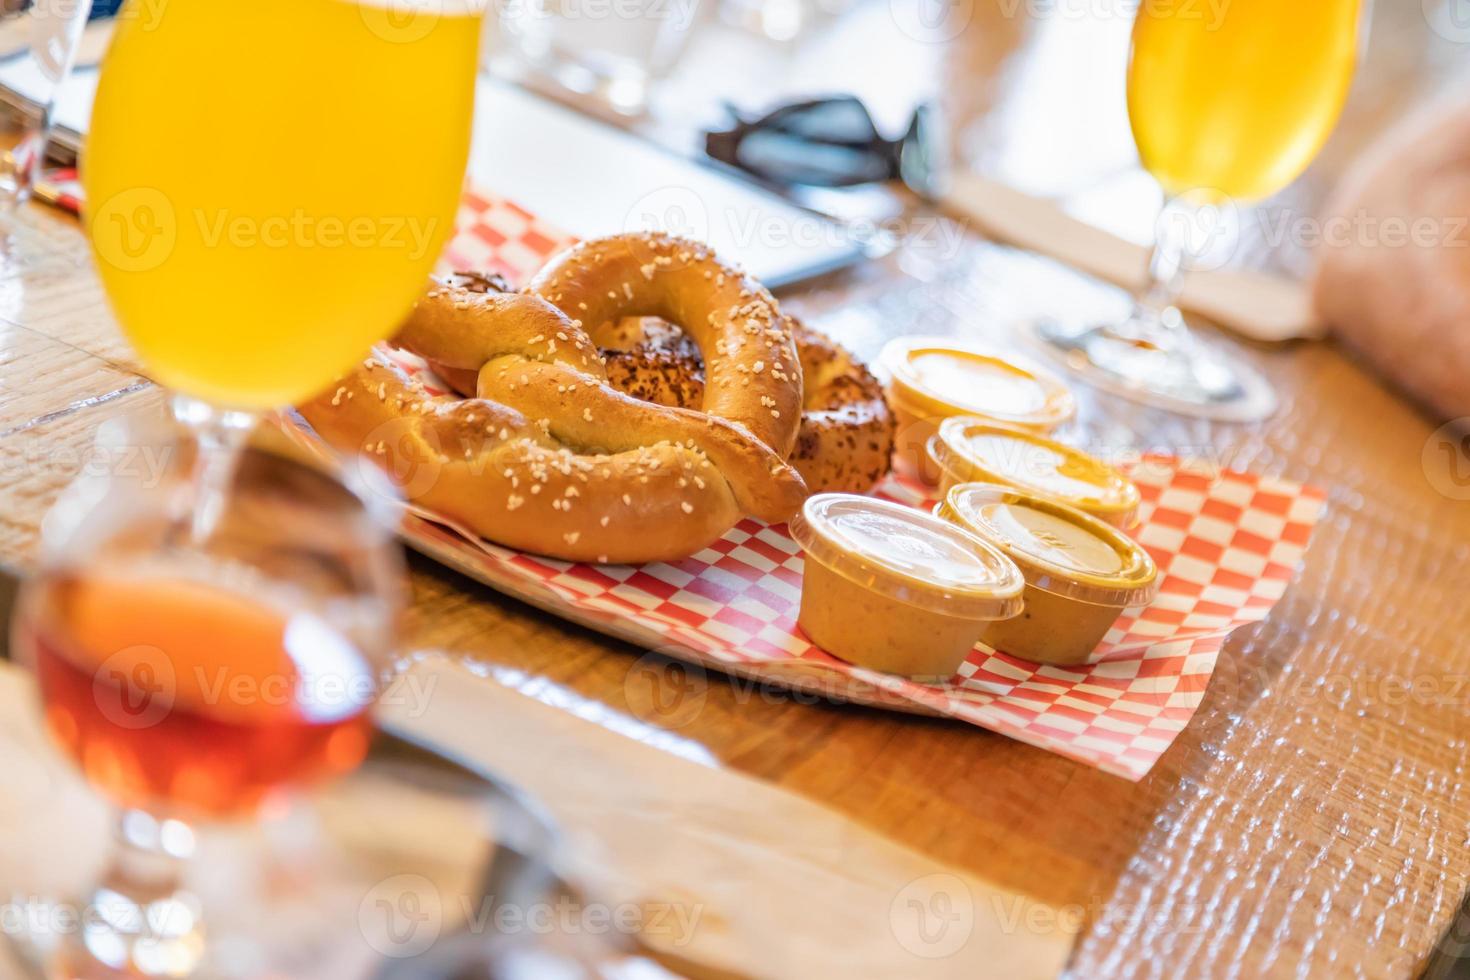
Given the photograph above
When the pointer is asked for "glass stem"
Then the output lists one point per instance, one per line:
(142, 920)
(220, 435)
(1156, 321)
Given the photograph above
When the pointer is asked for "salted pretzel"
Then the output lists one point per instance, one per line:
(550, 458)
(751, 372)
(845, 442)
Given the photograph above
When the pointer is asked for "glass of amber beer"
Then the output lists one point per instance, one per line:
(193, 681)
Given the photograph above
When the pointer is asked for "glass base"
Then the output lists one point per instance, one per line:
(321, 890)
(1185, 376)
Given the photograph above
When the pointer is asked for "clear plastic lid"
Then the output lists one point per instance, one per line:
(909, 555)
(978, 450)
(1058, 548)
(942, 376)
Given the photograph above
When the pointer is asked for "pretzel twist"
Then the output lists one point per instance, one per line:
(752, 375)
(548, 457)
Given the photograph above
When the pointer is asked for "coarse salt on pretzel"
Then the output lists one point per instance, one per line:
(548, 457)
(752, 376)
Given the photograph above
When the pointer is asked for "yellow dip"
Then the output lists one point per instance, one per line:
(897, 589)
(1080, 573)
(935, 378)
(971, 450)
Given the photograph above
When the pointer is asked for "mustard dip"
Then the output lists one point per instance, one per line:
(972, 450)
(1080, 573)
(935, 378)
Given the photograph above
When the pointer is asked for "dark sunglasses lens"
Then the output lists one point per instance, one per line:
(793, 160)
(921, 155)
(828, 121)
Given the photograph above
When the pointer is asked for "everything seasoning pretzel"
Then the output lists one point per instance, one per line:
(548, 457)
(846, 438)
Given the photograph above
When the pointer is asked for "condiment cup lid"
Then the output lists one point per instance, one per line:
(942, 376)
(1058, 548)
(978, 450)
(909, 555)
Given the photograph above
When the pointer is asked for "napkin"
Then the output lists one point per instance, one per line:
(765, 883)
(1255, 304)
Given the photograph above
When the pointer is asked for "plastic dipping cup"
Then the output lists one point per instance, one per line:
(897, 589)
(972, 450)
(935, 378)
(1080, 573)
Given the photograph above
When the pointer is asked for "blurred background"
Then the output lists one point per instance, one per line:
(1030, 92)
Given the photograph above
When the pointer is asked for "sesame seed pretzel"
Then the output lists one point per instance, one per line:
(548, 457)
(752, 375)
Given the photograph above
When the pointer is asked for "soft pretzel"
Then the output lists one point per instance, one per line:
(846, 437)
(548, 457)
(751, 372)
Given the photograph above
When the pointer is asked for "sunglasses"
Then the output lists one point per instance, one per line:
(830, 142)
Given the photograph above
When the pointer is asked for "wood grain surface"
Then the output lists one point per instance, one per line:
(1313, 817)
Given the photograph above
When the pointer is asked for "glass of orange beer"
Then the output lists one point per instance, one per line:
(1228, 103)
(268, 185)
(194, 682)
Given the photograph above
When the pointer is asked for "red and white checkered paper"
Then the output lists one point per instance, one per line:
(1226, 543)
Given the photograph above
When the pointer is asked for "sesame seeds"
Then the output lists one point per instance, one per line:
(589, 461)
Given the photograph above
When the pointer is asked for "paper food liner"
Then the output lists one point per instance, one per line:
(1227, 545)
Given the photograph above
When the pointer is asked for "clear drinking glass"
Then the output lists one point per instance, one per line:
(1226, 105)
(610, 50)
(38, 44)
(197, 680)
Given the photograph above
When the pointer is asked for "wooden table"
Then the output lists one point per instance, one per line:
(1311, 819)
